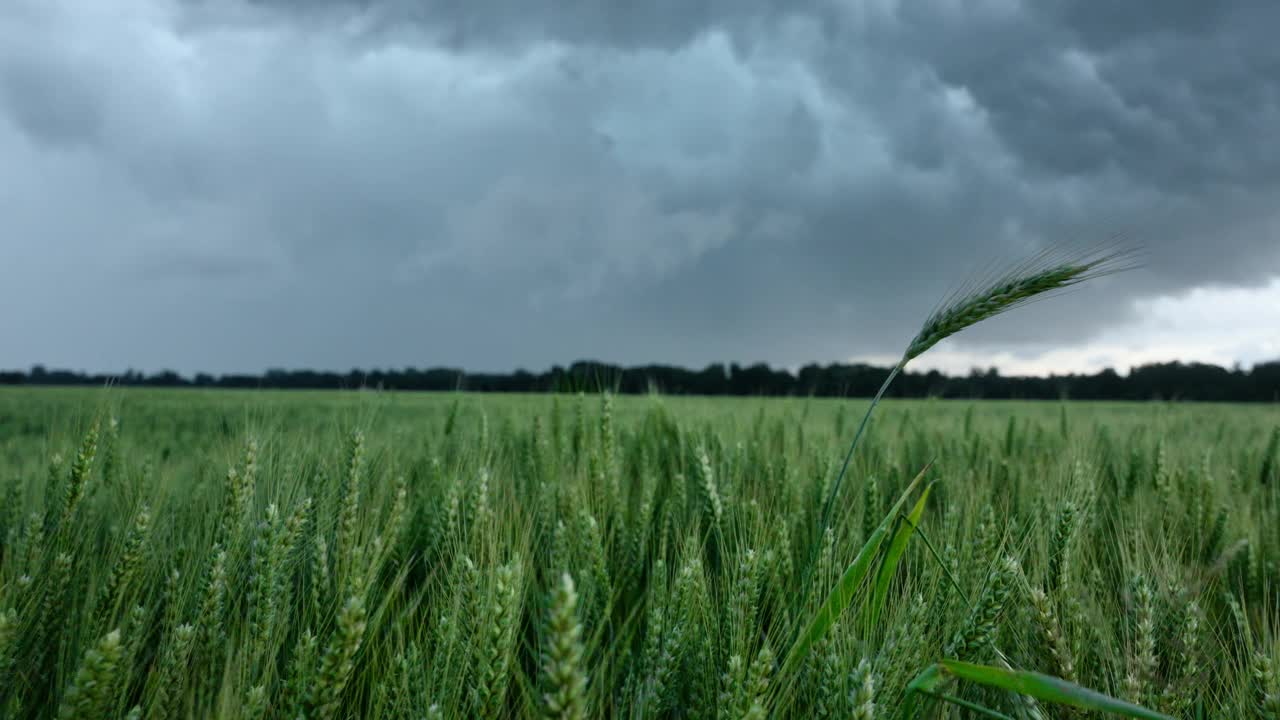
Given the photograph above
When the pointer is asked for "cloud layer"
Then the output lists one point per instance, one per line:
(229, 185)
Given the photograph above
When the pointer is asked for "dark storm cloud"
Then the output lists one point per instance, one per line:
(221, 184)
(49, 103)
(459, 24)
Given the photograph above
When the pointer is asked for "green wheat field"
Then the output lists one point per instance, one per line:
(218, 554)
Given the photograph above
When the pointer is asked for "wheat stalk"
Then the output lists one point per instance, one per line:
(1043, 274)
(566, 679)
(1048, 272)
(90, 693)
(338, 662)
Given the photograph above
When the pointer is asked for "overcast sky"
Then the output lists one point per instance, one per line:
(226, 185)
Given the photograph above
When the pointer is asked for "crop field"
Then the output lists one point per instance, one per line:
(220, 554)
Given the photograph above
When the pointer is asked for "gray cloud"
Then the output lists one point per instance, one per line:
(222, 184)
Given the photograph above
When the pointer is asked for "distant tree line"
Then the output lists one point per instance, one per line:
(1164, 381)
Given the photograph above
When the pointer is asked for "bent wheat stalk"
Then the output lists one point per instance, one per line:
(1044, 273)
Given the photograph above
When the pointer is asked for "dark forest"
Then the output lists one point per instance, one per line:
(1161, 381)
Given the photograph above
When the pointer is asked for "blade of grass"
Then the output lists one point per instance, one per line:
(975, 707)
(1024, 682)
(841, 595)
(893, 556)
(955, 584)
(926, 683)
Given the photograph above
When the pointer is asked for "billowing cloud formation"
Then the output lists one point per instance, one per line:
(229, 185)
